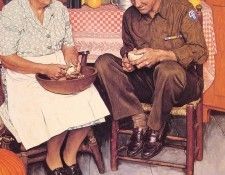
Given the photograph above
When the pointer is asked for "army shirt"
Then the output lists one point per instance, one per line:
(174, 27)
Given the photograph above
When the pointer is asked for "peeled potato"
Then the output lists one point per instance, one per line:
(132, 56)
(71, 70)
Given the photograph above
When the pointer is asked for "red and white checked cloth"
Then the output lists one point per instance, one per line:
(209, 66)
(99, 31)
(106, 19)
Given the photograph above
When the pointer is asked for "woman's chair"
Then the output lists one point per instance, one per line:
(192, 143)
(38, 153)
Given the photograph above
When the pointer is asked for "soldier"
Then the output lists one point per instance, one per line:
(168, 37)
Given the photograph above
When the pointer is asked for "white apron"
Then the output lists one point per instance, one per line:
(34, 115)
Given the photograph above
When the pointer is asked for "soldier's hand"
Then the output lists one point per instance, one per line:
(149, 58)
(153, 56)
(127, 66)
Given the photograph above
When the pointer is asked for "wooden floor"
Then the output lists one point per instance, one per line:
(212, 164)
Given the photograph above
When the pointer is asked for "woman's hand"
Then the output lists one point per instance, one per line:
(71, 57)
(72, 60)
(55, 71)
(127, 66)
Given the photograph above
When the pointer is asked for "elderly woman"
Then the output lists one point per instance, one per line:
(36, 37)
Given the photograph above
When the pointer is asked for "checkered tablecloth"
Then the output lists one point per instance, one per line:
(99, 31)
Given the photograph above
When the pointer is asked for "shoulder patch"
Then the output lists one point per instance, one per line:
(192, 14)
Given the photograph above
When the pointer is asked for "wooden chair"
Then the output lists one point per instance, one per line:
(38, 153)
(192, 143)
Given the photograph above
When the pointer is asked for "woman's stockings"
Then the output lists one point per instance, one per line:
(74, 140)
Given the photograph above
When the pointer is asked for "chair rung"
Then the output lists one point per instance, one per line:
(153, 162)
(34, 151)
(175, 138)
(175, 146)
(36, 159)
(125, 131)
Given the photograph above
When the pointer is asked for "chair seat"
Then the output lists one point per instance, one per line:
(176, 111)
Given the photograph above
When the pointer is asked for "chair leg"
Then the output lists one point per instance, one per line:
(97, 154)
(98, 158)
(199, 139)
(205, 114)
(190, 140)
(113, 146)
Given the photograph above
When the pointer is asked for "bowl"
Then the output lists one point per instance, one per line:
(70, 86)
(132, 56)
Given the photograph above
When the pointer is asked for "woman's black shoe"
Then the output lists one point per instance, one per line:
(57, 171)
(73, 169)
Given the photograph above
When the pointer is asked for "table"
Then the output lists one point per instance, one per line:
(99, 31)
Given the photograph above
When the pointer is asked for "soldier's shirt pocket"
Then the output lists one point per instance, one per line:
(174, 41)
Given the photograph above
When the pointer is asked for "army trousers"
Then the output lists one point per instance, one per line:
(164, 85)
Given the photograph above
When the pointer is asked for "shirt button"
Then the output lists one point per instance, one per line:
(49, 47)
(48, 35)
